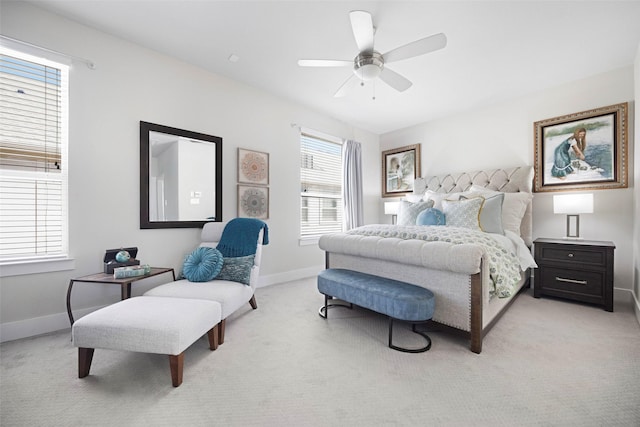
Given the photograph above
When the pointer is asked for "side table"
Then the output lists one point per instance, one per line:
(579, 270)
(125, 283)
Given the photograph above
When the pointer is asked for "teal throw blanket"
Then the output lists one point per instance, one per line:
(240, 235)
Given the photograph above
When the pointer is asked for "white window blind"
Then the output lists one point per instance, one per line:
(33, 172)
(320, 186)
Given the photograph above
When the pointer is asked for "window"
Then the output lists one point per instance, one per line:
(33, 163)
(320, 185)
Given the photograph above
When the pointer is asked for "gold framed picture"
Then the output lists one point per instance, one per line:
(582, 151)
(400, 168)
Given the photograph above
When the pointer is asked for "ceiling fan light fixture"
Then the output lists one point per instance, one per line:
(368, 66)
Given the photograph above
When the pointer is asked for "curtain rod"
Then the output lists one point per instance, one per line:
(90, 64)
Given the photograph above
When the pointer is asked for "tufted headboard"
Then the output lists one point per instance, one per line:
(508, 180)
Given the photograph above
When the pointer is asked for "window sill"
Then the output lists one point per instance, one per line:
(36, 266)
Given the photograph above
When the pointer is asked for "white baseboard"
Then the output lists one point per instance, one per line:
(40, 325)
(55, 322)
(289, 276)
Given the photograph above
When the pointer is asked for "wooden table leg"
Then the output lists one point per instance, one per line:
(126, 291)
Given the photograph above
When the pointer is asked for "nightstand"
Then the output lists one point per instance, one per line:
(579, 270)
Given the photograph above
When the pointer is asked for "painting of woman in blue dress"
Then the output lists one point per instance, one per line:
(562, 157)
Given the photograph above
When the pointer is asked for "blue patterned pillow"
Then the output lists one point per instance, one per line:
(202, 265)
(431, 216)
(408, 211)
(237, 269)
(463, 213)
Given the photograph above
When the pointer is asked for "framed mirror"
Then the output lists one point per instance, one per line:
(180, 177)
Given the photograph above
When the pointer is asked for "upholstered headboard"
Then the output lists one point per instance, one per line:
(508, 180)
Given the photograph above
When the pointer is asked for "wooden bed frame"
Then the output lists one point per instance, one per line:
(462, 297)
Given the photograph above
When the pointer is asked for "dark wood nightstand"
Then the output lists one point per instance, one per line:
(580, 270)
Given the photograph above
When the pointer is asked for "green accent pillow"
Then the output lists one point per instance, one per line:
(237, 269)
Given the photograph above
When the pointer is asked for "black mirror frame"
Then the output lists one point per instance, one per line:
(145, 128)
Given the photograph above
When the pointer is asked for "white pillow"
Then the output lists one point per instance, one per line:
(513, 207)
(413, 198)
(408, 212)
(463, 213)
(439, 197)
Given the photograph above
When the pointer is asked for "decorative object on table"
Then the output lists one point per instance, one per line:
(253, 167)
(123, 256)
(582, 151)
(111, 259)
(133, 271)
(392, 208)
(400, 167)
(573, 205)
(253, 201)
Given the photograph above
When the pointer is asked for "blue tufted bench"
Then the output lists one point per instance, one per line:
(398, 300)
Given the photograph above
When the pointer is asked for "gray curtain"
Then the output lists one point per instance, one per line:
(352, 184)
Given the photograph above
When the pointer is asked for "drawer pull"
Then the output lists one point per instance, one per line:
(577, 282)
(570, 255)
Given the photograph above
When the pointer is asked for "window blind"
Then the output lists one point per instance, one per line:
(320, 186)
(33, 178)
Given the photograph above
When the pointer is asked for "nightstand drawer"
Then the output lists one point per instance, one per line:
(571, 281)
(573, 255)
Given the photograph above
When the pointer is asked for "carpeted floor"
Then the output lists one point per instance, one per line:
(546, 363)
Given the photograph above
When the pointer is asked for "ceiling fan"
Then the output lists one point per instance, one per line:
(370, 64)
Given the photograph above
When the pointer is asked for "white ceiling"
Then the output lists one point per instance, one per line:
(495, 51)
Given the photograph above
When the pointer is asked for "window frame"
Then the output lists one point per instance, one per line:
(59, 260)
(311, 239)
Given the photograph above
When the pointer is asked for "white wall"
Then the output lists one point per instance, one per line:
(130, 84)
(502, 136)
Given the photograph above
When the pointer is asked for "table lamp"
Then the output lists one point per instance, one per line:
(572, 205)
(391, 208)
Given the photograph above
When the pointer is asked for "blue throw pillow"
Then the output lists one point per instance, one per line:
(431, 216)
(237, 269)
(202, 265)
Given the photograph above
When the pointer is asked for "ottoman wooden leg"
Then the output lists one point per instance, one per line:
(213, 335)
(176, 363)
(85, 356)
(221, 331)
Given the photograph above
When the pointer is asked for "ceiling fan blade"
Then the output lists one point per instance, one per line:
(345, 87)
(324, 63)
(416, 48)
(362, 26)
(395, 80)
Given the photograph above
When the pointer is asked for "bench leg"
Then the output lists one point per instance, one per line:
(323, 310)
(406, 350)
(85, 356)
(213, 336)
(221, 331)
(176, 362)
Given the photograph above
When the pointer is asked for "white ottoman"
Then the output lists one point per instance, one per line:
(148, 325)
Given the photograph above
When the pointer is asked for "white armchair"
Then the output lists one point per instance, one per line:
(230, 295)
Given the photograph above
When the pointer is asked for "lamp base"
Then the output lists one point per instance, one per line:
(573, 227)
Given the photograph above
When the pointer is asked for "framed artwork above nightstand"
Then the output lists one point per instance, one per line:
(578, 270)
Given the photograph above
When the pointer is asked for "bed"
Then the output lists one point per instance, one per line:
(474, 267)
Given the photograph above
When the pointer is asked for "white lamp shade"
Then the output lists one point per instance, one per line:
(573, 203)
(391, 208)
